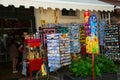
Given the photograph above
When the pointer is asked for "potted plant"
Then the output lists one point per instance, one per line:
(81, 69)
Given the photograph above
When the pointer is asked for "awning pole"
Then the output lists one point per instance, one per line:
(109, 17)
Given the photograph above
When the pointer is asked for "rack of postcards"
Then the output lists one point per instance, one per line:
(58, 51)
(112, 42)
(64, 46)
(65, 49)
(74, 38)
(46, 31)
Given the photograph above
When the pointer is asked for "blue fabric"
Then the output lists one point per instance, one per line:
(24, 68)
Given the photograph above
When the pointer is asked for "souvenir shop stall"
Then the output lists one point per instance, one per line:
(61, 42)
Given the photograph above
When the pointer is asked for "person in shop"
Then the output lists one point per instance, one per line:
(20, 48)
(13, 51)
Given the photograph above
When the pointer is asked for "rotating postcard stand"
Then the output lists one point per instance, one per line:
(53, 51)
(58, 48)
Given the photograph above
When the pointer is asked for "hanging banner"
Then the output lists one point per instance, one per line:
(92, 43)
(94, 34)
(74, 38)
(87, 31)
(102, 26)
(87, 23)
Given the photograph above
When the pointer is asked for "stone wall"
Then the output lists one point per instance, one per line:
(48, 15)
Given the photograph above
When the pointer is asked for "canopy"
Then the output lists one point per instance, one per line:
(68, 4)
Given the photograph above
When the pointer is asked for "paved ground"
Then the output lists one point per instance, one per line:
(118, 74)
(6, 73)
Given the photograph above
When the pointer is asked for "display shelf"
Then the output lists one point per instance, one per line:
(112, 47)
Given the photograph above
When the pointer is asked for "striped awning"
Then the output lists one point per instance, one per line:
(60, 4)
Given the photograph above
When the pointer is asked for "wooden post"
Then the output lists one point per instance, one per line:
(92, 66)
(56, 16)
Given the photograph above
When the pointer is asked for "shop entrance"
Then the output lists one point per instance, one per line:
(13, 23)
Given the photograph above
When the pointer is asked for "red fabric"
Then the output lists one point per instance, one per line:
(83, 50)
(35, 64)
(33, 42)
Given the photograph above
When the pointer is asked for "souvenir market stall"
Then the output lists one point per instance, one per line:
(57, 44)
